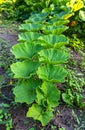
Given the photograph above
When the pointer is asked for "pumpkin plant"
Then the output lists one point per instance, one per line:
(41, 53)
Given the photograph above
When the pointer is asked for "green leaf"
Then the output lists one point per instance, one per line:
(25, 91)
(53, 56)
(24, 69)
(55, 21)
(52, 73)
(53, 40)
(67, 100)
(25, 50)
(82, 15)
(48, 95)
(54, 29)
(39, 113)
(68, 97)
(38, 17)
(30, 27)
(29, 36)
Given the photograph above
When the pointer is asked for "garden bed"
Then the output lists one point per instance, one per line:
(65, 117)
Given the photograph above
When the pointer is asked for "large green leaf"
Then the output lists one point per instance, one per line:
(39, 113)
(53, 40)
(30, 27)
(24, 69)
(53, 56)
(29, 36)
(25, 50)
(52, 73)
(55, 21)
(38, 17)
(50, 29)
(48, 95)
(25, 91)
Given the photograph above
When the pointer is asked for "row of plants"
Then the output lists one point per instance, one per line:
(41, 53)
(42, 56)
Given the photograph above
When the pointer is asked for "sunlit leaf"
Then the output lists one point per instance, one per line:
(53, 40)
(28, 36)
(39, 113)
(54, 29)
(25, 91)
(25, 50)
(67, 16)
(56, 21)
(53, 56)
(82, 15)
(24, 69)
(30, 27)
(45, 95)
(52, 73)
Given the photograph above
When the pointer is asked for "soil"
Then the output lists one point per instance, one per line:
(63, 116)
(9, 35)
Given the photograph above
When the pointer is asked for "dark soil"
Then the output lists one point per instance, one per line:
(63, 116)
(9, 36)
(12, 38)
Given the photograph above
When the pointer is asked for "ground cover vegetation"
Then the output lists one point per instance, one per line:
(45, 71)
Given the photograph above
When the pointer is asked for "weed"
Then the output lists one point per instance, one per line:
(80, 120)
(5, 117)
(82, 62)
(76, 43)
(73, 93)
(53, 127)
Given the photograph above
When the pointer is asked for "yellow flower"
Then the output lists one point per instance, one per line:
(75, 5)
(78, 6)
(2, 1)
(14, 0)
(71, 3)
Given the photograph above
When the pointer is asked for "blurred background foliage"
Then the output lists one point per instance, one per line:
(21, 9)
(72, 10)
